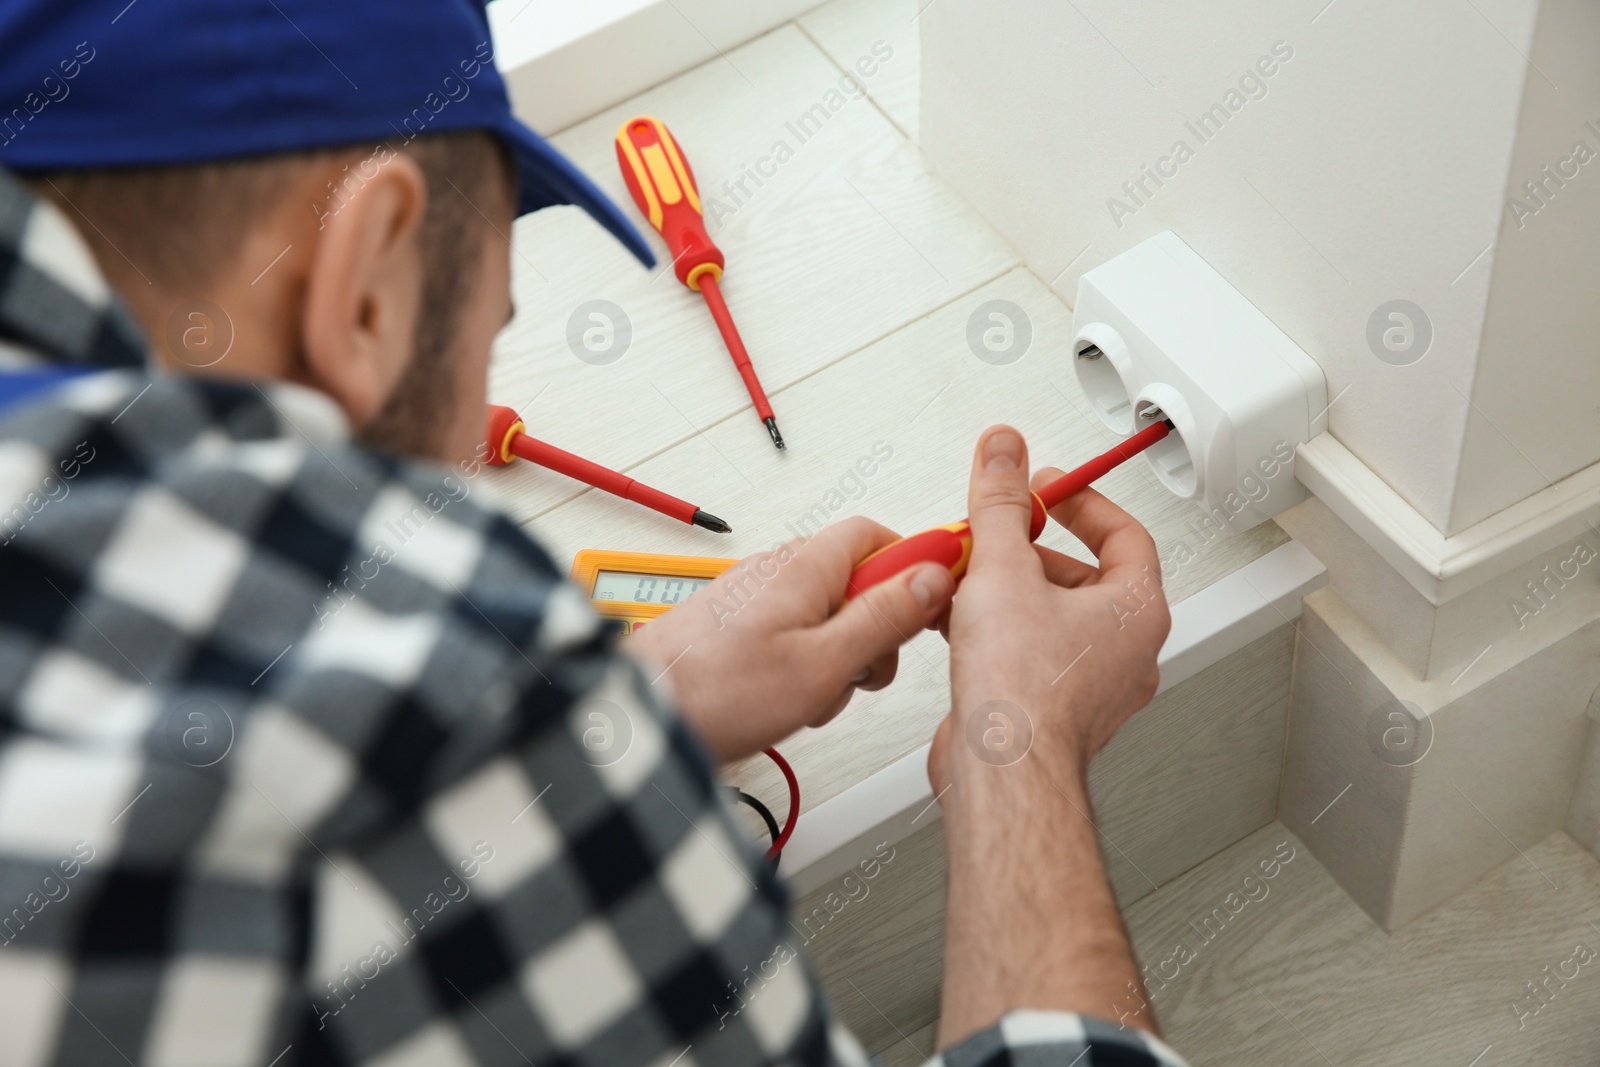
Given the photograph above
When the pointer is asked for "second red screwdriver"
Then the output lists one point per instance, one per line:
(663, 187)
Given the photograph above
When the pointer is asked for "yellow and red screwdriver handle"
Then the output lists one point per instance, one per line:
(951, 546)
(662, 185)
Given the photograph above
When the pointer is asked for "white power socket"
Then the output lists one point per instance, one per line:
(1158, 328)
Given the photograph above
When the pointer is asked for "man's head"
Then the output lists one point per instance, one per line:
(329, 189)
(379, 275)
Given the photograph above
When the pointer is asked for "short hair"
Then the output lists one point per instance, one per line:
(181, 224)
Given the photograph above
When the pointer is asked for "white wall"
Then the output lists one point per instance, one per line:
(1373, 166)
(565, 60)
(1536, 398)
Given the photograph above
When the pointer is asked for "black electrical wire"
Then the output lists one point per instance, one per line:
(761, 810)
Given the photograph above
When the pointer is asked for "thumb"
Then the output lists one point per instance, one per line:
(999, 506)
(885, 617)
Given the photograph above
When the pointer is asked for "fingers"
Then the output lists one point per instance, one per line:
(880, 672)
(1129, 563)
(998, 503)
(938, 771)
(853, 538)
(1043, 477)
(874, 624)
(834, 552)
(1118, 540)
(1061, 569)
(832, 711)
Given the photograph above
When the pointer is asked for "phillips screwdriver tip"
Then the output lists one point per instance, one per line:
(777, 438)
(708, 521)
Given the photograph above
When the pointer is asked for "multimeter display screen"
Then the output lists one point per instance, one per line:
(633, 588)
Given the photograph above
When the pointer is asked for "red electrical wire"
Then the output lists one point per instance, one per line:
(794, 803)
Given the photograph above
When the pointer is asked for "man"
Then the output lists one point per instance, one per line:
(294, 766)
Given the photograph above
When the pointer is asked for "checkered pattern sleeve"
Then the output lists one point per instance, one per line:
(1057, 1039)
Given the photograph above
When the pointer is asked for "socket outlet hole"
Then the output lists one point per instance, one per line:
(1170, 457)
(1103, 386)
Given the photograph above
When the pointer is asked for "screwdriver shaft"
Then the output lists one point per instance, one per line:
(741, 356)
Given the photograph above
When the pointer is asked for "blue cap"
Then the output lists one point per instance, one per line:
(109, 83)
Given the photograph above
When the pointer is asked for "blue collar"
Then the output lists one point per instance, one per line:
(18, 386)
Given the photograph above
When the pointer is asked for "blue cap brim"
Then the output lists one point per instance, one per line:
(546, 178)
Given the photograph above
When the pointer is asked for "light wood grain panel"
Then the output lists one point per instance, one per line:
(847, 29)
(1303, 974)
(843, 242)
(1301, 977)
(906, 1052)
(1196, 770)
(1188, 776)
(880, 959)
(923, 395)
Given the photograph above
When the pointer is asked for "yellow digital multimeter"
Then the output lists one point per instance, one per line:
(636, 587)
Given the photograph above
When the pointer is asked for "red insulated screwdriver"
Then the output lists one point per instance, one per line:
(507, 437)
(952, 545)
(663, 187)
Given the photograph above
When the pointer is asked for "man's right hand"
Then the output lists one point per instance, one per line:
(1046, 650)
(1048, 657)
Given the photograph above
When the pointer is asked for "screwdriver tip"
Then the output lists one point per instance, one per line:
(772, 428)
(708, 521)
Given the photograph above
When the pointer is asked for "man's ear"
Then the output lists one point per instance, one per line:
(364, 287)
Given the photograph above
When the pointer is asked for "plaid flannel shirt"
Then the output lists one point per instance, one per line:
(309, 755)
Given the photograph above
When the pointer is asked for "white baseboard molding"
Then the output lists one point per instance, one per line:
(1442, 567)
(564, 62)
(1212, 624)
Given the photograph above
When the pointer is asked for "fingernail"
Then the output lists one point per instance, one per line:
(930, 585)
(1002, 451)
